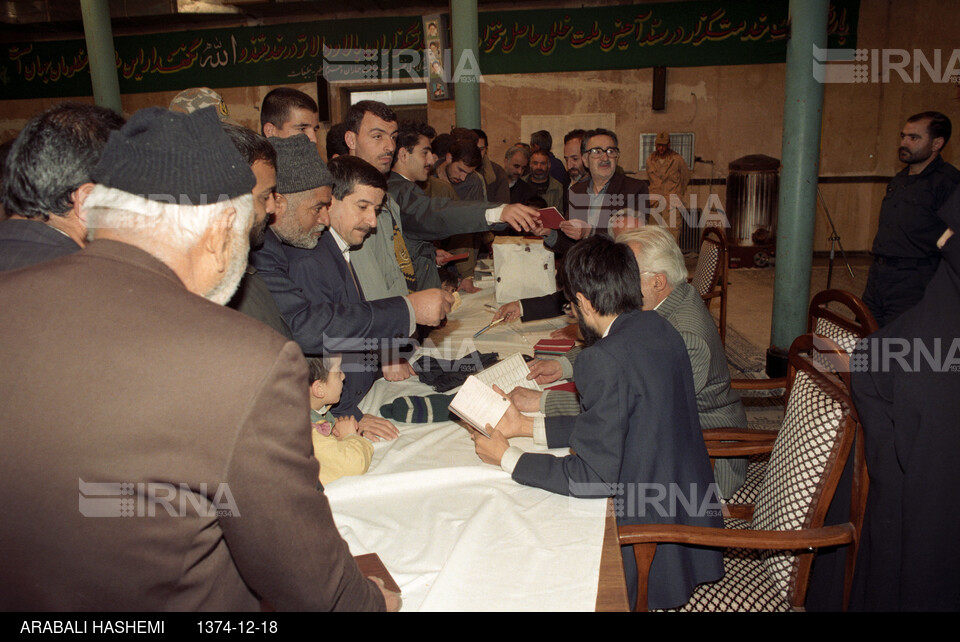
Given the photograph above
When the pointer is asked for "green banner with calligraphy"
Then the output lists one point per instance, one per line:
(674, 34)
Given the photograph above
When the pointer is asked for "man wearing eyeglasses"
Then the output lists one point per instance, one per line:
(608, 193)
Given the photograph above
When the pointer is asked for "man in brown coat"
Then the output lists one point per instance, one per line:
(181, 426)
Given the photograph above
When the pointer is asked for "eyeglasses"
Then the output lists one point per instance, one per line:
(611, 152)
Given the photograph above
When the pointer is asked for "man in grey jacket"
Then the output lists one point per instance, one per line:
(665, 289)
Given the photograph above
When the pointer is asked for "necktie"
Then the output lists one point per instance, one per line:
(356, 283)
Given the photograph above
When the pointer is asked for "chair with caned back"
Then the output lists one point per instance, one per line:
(845, 328)
(769, 546)
(710, 275)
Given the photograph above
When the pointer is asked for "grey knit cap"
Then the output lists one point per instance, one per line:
(299, 166)
(160, 154)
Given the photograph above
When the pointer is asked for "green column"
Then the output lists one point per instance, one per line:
(100, 53)
(802, 117)
(465, 34)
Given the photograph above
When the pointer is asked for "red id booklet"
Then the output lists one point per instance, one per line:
(570, 386)
(551, 218)
(553, 346)
(371, 565)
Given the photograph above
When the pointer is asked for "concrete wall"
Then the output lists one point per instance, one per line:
(734, 111)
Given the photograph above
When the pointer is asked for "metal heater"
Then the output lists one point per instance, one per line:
(753, 188)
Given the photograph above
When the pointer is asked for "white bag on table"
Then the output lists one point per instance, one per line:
(522, 268)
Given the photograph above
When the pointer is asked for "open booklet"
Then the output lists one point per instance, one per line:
(509, 373)
(478, 404)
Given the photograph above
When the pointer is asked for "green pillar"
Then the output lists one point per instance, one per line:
(100, 53)
(465, 33)
(802, 118)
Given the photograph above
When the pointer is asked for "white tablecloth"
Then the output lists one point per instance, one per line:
(457, 534)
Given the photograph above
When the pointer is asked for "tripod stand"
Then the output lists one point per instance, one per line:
(834, 242)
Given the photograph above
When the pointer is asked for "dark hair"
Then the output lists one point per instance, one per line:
(335, 141)
(482, 135)
(251, 145)
(536, 201)
(938, 127)
(278, 103)
(597, 132)
(462, 133)
(350, 171)
(319, 367)
(542, 139)
(606, 273)
(4, 152)
(468, 153)
(53, 156)
(356, 112)
(540, 152)
(441, 145)
(574, 134)
(318, 370)
(409, 133)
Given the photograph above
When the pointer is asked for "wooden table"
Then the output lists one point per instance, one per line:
(612, 586)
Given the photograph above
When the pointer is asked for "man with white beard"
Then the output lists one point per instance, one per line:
(130, 386)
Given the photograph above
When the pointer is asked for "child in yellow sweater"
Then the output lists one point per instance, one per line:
(337, 445)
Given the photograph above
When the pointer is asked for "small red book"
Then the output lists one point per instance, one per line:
(372, 566)
(553, 346)
(570, 386)
(551, 218)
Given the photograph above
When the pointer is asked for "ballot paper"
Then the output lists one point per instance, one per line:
(478, 405)
(509, 373)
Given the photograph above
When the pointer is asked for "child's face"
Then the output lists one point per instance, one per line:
(334, 383)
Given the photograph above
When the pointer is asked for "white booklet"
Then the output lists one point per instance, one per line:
(509, 374)
(478, 405)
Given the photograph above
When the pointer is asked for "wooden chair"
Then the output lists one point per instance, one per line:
(769, 546)
(710, 275)
(844, 329)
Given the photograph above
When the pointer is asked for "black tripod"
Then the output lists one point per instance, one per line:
(834, 242)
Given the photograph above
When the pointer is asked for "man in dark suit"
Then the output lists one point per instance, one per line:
(325, 273)
(46, 177)
(639, 428)
(665, 290)
(184, 419)
(904, 383)
(608, 192)
(304, 194)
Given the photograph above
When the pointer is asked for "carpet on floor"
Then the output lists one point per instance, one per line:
(764, 408)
